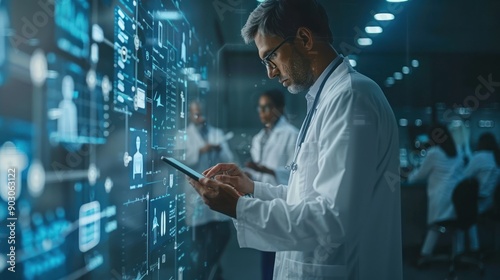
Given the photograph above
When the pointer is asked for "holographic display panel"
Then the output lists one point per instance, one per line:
(92, 94)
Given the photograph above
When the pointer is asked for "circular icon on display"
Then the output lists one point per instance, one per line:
(36, 178)
(38, 68)
(123, 54)
(137, 43)
(136, 103)
(171, 55)
(126, 159)
(106, 87)
(91, 79)
(108, 184)
(92, 174)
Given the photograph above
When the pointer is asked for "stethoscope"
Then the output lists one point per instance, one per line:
(302, 136)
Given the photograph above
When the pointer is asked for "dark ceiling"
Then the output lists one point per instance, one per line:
(419, 26)
(455, 41)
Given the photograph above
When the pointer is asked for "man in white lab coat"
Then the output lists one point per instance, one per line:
(339, 216)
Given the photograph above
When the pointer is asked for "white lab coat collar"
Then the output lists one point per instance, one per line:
(280, 124)
(313, 90)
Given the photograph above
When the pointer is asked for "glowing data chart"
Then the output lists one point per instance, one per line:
(72, 27)
(89, 226)
(44, 234)
(134, 237)
(130, 93)
(76, 110)
(85, 135)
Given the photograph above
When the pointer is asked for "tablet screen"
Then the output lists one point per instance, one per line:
(183, 168)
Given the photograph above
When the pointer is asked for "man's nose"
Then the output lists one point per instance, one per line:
(272, 73)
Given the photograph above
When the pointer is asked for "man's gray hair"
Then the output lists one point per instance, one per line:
(283, 17)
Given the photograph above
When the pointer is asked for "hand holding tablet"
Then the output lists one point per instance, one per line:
(183, 168)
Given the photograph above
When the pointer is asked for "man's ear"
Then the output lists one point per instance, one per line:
(305, 37)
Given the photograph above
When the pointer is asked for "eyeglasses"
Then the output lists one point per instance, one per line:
(267, 59)
(264, 108)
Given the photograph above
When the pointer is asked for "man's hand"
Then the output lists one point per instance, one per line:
(230, 174)
(218, 196)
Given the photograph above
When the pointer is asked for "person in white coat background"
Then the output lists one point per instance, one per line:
(340, 215)
(485, 167)
(205, 146)
(272, 149)
(442, 170)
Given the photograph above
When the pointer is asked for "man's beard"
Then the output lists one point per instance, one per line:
(300, 73)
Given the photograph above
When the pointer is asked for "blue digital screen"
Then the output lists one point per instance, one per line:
(99, 95)
(4, 28)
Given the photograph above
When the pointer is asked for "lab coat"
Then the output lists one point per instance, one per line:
(197, 213)
(339, 218)
(277, 152)
(442, 174)
(484, 167)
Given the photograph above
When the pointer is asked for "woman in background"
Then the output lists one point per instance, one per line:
(441, 169)
(485, 167)
(272, 149)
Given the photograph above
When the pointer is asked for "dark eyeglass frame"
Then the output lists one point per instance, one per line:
(266, 61)
(265, 108)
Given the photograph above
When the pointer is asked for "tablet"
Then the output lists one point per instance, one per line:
(183, 168)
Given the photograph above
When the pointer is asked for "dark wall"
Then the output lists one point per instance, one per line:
(450, 79)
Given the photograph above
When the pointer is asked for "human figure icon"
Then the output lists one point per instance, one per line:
(67, 122)
(138, 160)
(155, 228)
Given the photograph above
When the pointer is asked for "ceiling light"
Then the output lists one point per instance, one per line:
(396, 1)
(403, 122)
(364, 41)
(398, 75)
(384, 16)
(353, 62)
(406, 70)
(373, 29)
(415, 63)
(390, 81)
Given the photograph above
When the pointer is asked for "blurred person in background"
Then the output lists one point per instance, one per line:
(484, 165)
(461, 136)
(442, 170)
(205, 146)
(272, 149)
